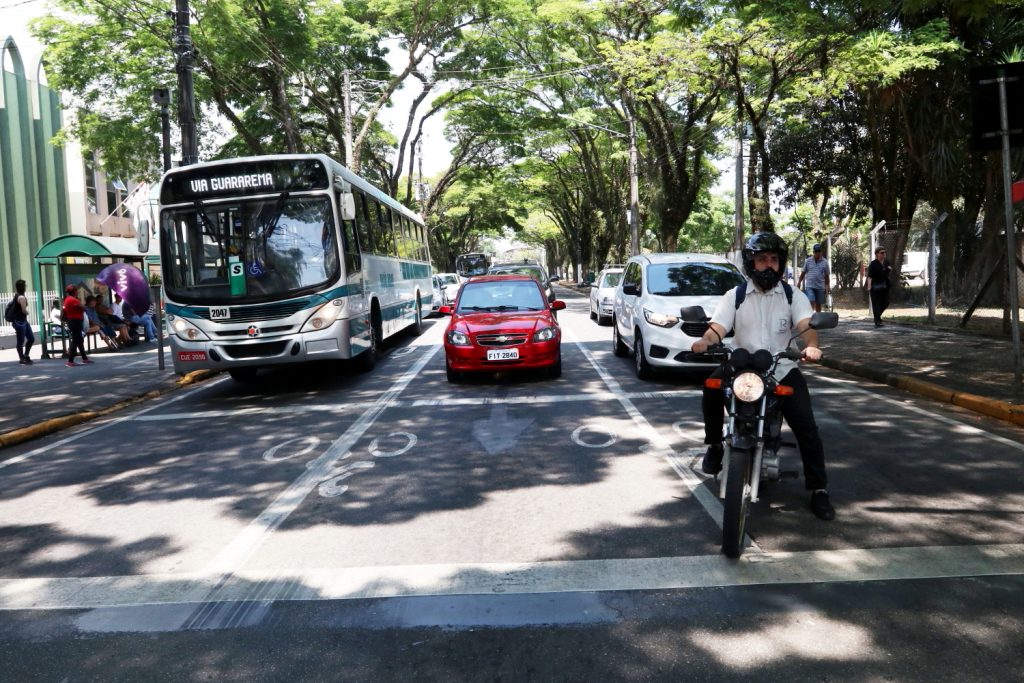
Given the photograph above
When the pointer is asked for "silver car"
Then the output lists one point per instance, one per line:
(602, 295)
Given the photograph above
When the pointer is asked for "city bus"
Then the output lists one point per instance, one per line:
(468, 265)
(284, 259)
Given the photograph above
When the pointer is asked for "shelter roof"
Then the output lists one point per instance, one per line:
(92, 245)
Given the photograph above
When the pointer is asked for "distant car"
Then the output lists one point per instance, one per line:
(502, 323)
(452, 282)
(602, 295)
(534, 270)
(654, 287)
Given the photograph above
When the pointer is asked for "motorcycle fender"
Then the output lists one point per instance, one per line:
(742, 441)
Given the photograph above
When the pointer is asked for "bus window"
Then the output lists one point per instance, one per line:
(350, 247)
(386, 238)
(364, 225)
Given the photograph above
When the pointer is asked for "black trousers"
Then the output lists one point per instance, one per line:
(76, 339)
(796, 410)
(879, 302)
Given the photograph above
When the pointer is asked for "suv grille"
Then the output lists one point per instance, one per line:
(501, 339)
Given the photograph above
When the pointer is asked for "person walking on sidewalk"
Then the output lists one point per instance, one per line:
(74, 316)
(817, 275)
(22, 327)
(878, 284)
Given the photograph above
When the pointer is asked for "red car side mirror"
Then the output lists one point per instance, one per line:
(557, 305)
(445, 310)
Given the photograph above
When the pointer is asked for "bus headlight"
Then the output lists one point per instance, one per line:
(748, 387)
(324, 316)
(186, 330)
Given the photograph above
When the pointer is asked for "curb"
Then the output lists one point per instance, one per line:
(56, 424)
(980, 404)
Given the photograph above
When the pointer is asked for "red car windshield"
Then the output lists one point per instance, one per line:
(514, 295)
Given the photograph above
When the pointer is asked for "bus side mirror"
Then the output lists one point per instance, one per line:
(142, 235)
(347, 206)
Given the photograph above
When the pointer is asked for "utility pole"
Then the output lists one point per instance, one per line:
(1011, 247)
(421, 189)
(162, 97)
(347, 99)
(634, 192)
(186, 93)
(738, 221)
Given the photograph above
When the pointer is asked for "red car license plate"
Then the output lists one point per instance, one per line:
(191, 355)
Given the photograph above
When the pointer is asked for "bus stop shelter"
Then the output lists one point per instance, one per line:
(75, 259)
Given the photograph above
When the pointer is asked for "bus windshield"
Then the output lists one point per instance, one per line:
(249, 251)
(468, 265)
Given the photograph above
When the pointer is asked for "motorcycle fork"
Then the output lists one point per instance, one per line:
(755, 462)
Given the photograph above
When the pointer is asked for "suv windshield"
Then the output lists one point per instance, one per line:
(611, 280)
(281, 246)
(515, 295)
(692, 279)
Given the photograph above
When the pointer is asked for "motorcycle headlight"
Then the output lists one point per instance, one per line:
(546, 334)
(324, 316)
(748, 387)
(457, 338)
(660, 319)
(186, 330)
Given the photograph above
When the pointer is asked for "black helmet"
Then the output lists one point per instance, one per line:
(760, 242)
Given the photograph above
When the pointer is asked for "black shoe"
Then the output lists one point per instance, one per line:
(712, 463)
(821, 507)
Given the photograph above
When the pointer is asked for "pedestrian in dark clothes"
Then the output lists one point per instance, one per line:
(22, 327)
(878, 284)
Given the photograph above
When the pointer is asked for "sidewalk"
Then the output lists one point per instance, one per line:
(48, 396)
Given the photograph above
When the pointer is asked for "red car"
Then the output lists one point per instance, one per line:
(501, 323)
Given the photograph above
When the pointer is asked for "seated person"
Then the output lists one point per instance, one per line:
(56, 319)
(146, 320)
(113, 321)
(95, 323)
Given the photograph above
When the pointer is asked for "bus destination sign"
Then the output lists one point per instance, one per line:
(243, 178)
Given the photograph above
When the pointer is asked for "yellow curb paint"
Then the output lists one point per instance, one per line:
(985, 406)
(923, 388)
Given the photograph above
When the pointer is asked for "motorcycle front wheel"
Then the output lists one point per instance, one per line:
(737, 502)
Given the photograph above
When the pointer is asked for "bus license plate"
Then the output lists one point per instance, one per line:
(191, 355)
(502, 354)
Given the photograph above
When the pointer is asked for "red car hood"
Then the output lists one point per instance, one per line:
(493, 323)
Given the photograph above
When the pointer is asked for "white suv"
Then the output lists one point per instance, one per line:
(602, 294)
(647, 301)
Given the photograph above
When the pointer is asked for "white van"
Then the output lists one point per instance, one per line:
(654, 287)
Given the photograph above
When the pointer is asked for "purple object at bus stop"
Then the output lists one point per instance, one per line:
(129, 282)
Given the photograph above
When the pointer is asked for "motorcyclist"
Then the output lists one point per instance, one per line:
(766, 318)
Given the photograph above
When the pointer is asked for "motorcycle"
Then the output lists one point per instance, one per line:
(753, 431)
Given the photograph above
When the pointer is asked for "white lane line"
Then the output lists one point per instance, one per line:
(961, 427)
(238, 551)
(423, 403)
(658, 573)
(187, 393)
(659, 445)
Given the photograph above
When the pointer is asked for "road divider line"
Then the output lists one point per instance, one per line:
(570, 576)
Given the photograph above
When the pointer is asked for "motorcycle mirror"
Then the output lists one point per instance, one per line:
(824, 320)
(693, 314)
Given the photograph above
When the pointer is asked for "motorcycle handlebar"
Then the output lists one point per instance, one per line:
(719, 354)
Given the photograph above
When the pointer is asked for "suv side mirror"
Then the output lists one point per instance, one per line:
(553, 278)
(630, 289)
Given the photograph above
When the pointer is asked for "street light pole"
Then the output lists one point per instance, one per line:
(634, 192)
(347, 104)
(738, 220)
(186, 94)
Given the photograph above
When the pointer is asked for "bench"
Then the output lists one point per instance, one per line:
(53, 332)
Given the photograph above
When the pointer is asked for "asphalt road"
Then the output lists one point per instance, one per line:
(324, 525)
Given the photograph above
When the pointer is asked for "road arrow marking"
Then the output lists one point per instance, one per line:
(499, 433)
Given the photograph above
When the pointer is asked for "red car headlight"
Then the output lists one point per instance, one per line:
(545, 334)
(457, 338)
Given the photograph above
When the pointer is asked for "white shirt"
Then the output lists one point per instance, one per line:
(115, 308)
(763, 321)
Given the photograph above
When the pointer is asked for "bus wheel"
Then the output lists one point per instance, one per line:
(366, 360)
(416, 329)
(243, 374)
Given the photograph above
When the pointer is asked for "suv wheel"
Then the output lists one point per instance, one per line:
(620, 349)
(643, 368)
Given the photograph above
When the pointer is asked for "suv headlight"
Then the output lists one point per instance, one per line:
(324, 316)
(456, 338)
(607, 301)
(660, 319)
(545, 334)
(186, 330)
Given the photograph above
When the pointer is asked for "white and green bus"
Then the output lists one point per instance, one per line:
(285, 259)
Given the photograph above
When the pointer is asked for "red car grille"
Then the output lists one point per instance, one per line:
(501, 339)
